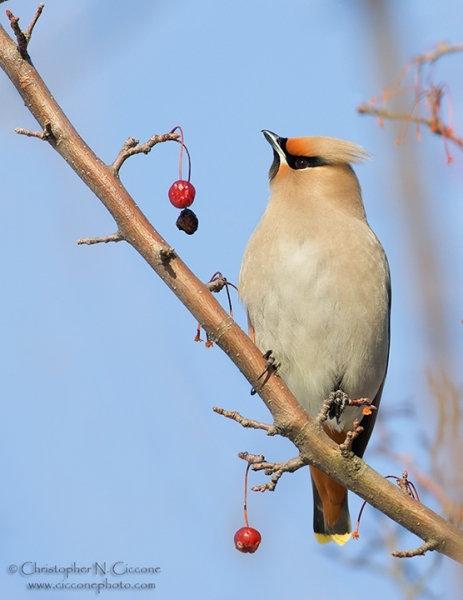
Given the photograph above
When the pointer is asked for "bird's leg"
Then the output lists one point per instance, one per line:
(271, 367)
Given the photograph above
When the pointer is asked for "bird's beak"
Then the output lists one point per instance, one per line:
(272, 138)
(278, 153)
(275, 141)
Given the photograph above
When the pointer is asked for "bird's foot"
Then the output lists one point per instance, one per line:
(338, 402)
(271, 367)
(333, 407)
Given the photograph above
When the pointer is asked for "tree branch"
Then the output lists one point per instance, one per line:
(133, 146)
(290, 419)
(435, 125)
(431, 95)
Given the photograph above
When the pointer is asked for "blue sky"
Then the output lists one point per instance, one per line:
(110, 450)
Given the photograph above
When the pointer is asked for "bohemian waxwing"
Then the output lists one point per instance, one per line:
(315, 282)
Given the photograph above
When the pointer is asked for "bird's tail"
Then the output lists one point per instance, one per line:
(331, 519)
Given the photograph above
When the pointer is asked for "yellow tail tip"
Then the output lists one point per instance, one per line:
(338, 538)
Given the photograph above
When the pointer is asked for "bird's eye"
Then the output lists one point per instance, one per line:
(301, 163)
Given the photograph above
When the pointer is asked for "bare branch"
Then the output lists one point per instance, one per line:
(427, 98)
(437, 127)
(20, 37)
(132, 146)
(113, 237)
(235, 416)
(441, 49)
(421, 551)
(30, 29)
(259, 463)
(44, 135)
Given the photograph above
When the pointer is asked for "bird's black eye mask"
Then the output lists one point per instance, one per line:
(296, 163)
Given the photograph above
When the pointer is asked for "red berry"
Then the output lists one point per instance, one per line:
(182, 193)
(247, 539)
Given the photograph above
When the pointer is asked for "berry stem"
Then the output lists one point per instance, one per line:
(181, 141)
(180, 163)
(245, 505)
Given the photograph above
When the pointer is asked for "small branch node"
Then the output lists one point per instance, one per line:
(421, 551)
(249, 423)
(346, 446)
(45, 135)
(167, 253)
(216, 285)
(407, 486)
(114, 237)
(251, 459)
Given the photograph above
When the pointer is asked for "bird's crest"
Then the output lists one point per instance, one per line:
(331, 150)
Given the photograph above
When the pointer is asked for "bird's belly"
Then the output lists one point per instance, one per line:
(327, 327)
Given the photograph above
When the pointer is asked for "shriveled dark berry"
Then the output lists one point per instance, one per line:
(187, 221)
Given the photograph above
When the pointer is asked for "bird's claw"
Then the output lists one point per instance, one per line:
(271, 367)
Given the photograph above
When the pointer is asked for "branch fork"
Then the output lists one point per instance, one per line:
(258, 463)
(132, 146)
(22, 38)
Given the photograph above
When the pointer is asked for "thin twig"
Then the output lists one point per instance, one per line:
(114, 237)
(436, 126)
(250, 423)
(258, 463)
(441, 49)
(44, 135)
(30, 29)
(430, 95)
(20, 37)
(132, 146)
(421, 551)
(276, 470)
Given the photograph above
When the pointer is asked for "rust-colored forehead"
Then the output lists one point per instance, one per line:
(300, 146)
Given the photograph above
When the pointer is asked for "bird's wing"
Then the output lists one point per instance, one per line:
(368, 422)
